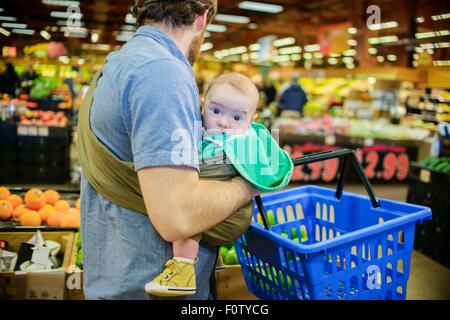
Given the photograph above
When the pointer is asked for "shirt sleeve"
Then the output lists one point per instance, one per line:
(161, 113)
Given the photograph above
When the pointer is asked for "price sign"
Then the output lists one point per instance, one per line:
(381, 162)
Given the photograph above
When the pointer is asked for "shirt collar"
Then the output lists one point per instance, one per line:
(163, 39)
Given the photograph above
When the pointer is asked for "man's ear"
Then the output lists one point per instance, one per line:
(200, 22)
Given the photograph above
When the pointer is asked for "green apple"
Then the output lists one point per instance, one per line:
(303, 235)
(79, 261)
(294, 233)
(223, 251)
(271, 218)
(231, 257)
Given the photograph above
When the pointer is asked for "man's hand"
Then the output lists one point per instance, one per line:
(181, 205)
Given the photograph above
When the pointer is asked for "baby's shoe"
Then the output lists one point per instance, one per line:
(177, 279)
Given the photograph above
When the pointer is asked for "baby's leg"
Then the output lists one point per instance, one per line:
(186, 248)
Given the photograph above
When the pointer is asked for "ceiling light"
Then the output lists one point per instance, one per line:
(100, 47)
(372, 80)
(441, 63)
(95, 36)
(63, 23)
(254, 55)
(127, 27)
(61, 3)
(4, 32)
(307, 55)
(380, 58)
(318, 55)
(232, 18)
(352, 30)
(14, 25)
(347, 60)
(207, 34)
(260, 7)
(284, 42)
(392, 57)
(385, 39)
(80, 61)
(23, 31)
(130, 19)
(252, 26)
(123, 37)
(206, 46)
(352, 42)
(441, 16)
(73, 30)
(296, 57)
(350, 66)
(6, 18)
(384, 25)
(334, 55)
(45, 35)
(237, 50)
(350, 52)
(216, 28)
(1, 9)
(281, 59)
(441, 33)
(65, 15)
(312, 47)
(372, 50)
(420, 20)
(245, 57)
(332, 61)
(290, 50)
(254, 47)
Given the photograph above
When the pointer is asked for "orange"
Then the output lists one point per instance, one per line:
(21, 208)
(30, 218)
(15, 200)
(4, 193)
(51, 196)
(45, 211)
(6, 209)
(62, 205)
(54, 218)
(71, 219)
(78, 204)
(34, 199)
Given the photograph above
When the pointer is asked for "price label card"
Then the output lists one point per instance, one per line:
(33, 131)
(43, 131)
(368, 142)
(22, 130)
(330, 140)
(425, 176)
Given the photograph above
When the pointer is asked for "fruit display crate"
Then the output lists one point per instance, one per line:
(430, 188)
(42, 285)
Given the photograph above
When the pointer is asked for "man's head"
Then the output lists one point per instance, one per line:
(178, 15)
(230, 104)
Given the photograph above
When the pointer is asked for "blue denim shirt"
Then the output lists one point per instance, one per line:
(146, 94)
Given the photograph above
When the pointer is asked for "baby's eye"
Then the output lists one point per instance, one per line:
(216, 111)
(237, 118)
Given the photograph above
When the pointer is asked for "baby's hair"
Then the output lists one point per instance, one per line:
(239, 82)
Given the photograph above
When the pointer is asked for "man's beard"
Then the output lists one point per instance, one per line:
(194, 48)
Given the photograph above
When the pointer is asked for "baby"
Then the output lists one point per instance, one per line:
(229, 108)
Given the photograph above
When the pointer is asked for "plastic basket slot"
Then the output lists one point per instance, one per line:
(318, 211)
(281, 218)
(290, 216)
(400, 266)
(331, 213)
(299, 211)
(324, 212)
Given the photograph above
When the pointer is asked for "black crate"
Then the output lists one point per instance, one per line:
(431, 189)
(8, 137)
(8, 174)
(50, 159)
(432, 239)
(43, 174)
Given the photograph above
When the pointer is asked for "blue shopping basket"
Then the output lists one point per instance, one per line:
(328, 244)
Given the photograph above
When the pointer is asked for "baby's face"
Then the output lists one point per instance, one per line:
(227, 110)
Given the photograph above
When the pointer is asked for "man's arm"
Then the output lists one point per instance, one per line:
(181, 205)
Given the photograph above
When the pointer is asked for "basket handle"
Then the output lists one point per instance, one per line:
(347, 155)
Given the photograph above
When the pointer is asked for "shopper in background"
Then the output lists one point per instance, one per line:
(9, 80)
(269, 91)
(26, 79)
(138, 132)
(292, 99)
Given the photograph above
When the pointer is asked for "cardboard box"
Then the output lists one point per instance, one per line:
(231, 284)
(42, 285)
